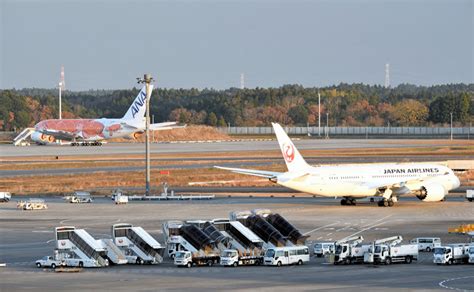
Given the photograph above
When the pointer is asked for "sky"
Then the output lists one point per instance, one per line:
(106, 44)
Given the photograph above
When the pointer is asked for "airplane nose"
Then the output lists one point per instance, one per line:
(456, 182)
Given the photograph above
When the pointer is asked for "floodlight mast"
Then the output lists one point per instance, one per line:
(147, 80)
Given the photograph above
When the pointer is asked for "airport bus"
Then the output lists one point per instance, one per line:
(288, 255)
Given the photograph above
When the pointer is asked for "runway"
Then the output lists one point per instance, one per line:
(27, 236)
(8, 150)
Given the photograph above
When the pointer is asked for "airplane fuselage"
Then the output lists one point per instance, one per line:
(81, 129)
(351, 180)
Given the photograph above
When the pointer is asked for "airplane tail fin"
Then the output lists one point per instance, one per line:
(136, 112)
(293, 159)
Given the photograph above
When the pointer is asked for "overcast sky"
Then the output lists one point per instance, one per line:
(107, 44)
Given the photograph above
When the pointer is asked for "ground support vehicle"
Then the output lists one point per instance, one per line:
(470, 195)
(323, 248)
(234, 258)
(349, 250)
(288, 255)
(50, 261)
(79, 249)
(426, 243)
(451, 254)
(32, 204)
(189, 259)
(138, 245)
(80, 197)
(5, 197)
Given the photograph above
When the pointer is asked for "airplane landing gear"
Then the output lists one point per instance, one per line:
(386, 203)
(348, 202)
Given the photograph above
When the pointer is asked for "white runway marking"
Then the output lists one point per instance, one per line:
(42, 231)
(442, 283)
(371, 226)
(311, 231)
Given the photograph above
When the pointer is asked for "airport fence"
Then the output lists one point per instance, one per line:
(368, 132)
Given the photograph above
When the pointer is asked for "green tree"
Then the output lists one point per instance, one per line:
(221, 122)
(299, 114)
(212, 119)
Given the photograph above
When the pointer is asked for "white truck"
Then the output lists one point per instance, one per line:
(50, 261)
(388, 250)
(287, 255)
(470, 195)
(323, 248)
(189, 259)
(5, 197)
(457, 253)
(80, 197)
(471, 253)
(234, 258)
(349, 250)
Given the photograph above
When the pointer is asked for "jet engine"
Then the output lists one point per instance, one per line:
(431, 193)
(42, 138)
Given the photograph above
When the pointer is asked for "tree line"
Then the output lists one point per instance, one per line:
(343, 105)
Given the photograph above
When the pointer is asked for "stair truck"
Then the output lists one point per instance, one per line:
(246, 248)
(138, 245)
(349, 250)
(388, 250)
(457, 253)
(79, 249)
(204, 248)
(286, 229)
(115, 255)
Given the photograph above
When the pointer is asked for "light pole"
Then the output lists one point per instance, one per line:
(147, 79)
(60, 89)
(319, 114)
(451, 126)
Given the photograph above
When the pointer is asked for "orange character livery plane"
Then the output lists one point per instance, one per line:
(95, 131)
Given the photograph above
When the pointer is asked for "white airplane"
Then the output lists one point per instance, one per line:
(429, 182)
(95, 131)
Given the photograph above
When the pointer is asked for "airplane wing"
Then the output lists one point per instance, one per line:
(395, 183)
(260, 173)
(60, 135)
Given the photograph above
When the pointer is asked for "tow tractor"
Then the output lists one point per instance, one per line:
(388, 250)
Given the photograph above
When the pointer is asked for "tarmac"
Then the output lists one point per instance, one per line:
(8, 150)
(28, 235)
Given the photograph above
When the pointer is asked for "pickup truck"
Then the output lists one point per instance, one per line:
(49, 261)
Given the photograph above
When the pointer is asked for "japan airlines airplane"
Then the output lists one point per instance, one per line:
(94, 131)
(428, 182)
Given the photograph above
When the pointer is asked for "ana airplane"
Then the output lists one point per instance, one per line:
(95, 131)
(428, 182)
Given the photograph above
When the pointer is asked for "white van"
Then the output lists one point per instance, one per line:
(426, 243)
(278, 256)
(323, 248)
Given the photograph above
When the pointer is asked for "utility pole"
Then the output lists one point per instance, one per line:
(451, 126)
(327, 125)
(147, 79)
(62, 86)
(319, 114)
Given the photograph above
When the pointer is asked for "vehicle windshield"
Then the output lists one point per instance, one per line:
(440, 251)
(338, 249)
(228, 254)
(378, 249)
(318, 245)
(471, 250)
(180, 254)
(270, 253)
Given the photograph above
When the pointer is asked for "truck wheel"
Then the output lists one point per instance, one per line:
(300, 262)
(347, 261)
(209, 263)
(53, 266)
(235, 264)
(81, 264)
(428, 249)
(470, 199)
(450, 262)
(38, 265)
(279, 264)
(388, 261)
(189, 265)
(408, 260)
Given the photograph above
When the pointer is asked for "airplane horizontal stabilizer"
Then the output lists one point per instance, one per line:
(260, 173)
